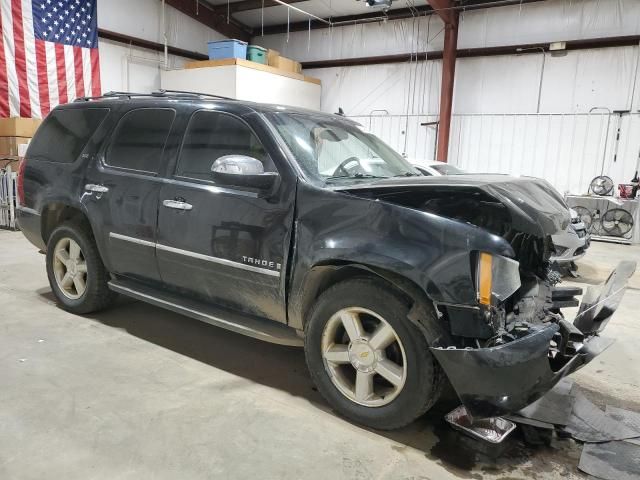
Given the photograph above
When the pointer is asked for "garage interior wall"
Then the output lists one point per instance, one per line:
(125, 68)
(495, 126)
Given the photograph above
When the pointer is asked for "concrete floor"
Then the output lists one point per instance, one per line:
(139, 392)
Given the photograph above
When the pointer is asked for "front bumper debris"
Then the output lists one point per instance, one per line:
(492, 430)
(506, 378)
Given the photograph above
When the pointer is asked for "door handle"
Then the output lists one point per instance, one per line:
(177, 205)
(91, 187)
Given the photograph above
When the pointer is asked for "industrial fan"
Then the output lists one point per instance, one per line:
(601, 185)
(585, 216)
(617, 222)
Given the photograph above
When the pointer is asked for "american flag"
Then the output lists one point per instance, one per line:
(48, 55)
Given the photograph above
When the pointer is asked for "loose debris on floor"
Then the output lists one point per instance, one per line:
(617, 460)
(493, 430)
(589, 424)
(611, 437)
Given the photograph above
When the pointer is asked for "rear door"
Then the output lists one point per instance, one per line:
(222, 244)
(122, 190)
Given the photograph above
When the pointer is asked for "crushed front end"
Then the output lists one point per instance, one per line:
(502, 338)
(523, 345)
(513, 344)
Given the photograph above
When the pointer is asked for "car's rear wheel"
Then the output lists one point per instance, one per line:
(367, 359)
(76, 273)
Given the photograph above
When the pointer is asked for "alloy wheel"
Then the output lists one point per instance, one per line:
(364, 357)
(70, 268)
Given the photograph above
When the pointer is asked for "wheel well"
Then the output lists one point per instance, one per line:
(423, 312)
(55, 214)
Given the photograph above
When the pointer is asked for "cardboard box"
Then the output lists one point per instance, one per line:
(19, 127)
(288, 65)
(9, 146)
(9, 162)
(272, 57)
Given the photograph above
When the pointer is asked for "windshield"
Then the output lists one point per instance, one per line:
(332, 150)
(445, 169)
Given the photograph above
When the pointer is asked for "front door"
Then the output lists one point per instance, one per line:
(218, 243)
(122, 191)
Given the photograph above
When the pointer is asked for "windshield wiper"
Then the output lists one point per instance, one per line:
(407, 174)
(355, 175)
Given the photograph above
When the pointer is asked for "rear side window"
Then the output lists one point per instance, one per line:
(211, 135)
(64, 134)
(139, 139)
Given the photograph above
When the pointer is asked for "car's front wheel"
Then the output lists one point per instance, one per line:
(77, 276)
(367, 359)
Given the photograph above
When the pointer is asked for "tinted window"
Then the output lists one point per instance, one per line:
(64, 134)
(211, 135)
(139, 139)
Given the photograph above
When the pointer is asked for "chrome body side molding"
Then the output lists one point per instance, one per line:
(221, 261)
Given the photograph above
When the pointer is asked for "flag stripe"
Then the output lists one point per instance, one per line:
(79, 78)
(20, 58)
(69, 63)
(86, 71)
(9, 52)
(96, 88)
(52, 73)
(62, 74)
(30, 60)
(4, 80)
(43, 77)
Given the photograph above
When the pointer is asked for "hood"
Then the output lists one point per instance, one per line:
(530, 205)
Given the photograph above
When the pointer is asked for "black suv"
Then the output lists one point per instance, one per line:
(300, 228)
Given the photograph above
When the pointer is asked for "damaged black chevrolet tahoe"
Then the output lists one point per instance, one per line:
(300, 228)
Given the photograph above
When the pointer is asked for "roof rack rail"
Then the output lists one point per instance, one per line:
(156, 93)
(162, 92)
(113, 94)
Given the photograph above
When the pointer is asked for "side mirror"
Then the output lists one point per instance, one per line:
(242, 171)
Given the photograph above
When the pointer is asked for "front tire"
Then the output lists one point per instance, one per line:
(367, 359)
(77, 276)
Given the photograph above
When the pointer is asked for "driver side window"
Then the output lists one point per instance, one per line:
(211, 135)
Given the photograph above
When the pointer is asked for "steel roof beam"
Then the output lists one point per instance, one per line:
(395, 14)
(246, 5)
(212, 19)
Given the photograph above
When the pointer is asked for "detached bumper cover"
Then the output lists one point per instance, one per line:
(504, 379)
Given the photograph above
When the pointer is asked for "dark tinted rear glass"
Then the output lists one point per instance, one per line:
(65, 133)
(139, 140)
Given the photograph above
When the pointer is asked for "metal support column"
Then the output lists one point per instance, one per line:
(449, 15)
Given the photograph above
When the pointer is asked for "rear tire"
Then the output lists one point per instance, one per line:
(77, 276)
(346, 369)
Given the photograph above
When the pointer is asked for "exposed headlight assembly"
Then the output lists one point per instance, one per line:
(497, 278)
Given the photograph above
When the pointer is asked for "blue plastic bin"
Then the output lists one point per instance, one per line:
(227, 49)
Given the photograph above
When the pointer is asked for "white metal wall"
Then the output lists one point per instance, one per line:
(493, 128)
(568, 150)
(126, 68)
(539, 22)
(406, 134)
